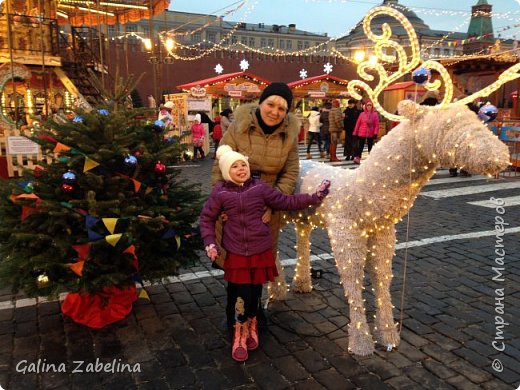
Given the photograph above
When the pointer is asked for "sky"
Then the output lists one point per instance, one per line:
(337, 17)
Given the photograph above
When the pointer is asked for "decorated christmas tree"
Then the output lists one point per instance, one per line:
(107, 212)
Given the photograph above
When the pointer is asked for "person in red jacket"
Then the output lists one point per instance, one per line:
(367, 128)
(217, 134)
(247, 240)
(197, 134)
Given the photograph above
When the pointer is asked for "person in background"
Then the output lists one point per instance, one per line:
(314, 131)
(351, 115)
(151, 102)
(335, 129)
(217, 134)
(165, 114)
(249, 262)
(367, 128)
(204, 118)
(197, 132)
(324, 129)
(267, 133)
(225, 119)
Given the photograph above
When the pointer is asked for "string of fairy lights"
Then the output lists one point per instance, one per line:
(325, 48)
(170, 39)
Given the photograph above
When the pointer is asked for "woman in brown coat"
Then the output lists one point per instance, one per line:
(268, 135)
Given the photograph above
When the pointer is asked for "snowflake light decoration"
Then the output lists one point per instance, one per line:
(327, 68)
(219, 69)
(244, 65)
(303, 74)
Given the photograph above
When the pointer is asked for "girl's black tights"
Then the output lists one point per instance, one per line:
(243, 300)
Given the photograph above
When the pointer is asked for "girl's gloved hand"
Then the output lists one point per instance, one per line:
(323, 189)
(212, 251)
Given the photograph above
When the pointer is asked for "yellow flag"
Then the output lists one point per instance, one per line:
(178, 239)
(89, 164)
(113, 239)
(143, 294)
(110, 224)
(148, 190)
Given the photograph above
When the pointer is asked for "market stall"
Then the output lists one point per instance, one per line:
(314, 91)
(227, 90)
(185, 107)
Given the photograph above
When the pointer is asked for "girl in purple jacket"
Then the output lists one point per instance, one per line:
(247, 240)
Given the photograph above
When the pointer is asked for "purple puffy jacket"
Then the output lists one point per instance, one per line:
(244, 232)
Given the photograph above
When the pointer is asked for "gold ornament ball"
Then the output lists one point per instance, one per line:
(42, 280)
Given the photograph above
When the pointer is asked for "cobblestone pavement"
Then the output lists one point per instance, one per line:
(451, 317)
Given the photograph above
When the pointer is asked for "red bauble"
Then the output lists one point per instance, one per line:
(68, 188)
(159, 168)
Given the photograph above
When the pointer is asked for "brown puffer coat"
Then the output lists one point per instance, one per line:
(336, 120)
(274, 157)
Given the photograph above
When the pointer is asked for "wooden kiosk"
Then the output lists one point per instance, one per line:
(314, 91)
(185, 106)
(228, 90)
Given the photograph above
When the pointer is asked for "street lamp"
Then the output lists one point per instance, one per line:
(170, 44)
(359, 55)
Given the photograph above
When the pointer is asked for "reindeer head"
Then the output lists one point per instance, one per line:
(454, 136)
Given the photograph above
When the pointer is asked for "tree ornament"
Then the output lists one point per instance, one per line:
(131, 161)
(138, 153)
(421, 75)
(69, 177)
(68, 188)
(38, 171)
(158, 126)
(29, 188)
(488, 112)
(42, 280)
(103, 112)
(77, 119)
(159, 168)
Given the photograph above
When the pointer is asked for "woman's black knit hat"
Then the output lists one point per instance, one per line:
(279, 89)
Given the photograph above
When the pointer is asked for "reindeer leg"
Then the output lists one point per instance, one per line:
(350, 249)
(277, 290)
(302, 282)
(381, 247)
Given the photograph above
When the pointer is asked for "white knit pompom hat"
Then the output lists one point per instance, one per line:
(226, 157)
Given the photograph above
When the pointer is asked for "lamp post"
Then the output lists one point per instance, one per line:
(150, 42)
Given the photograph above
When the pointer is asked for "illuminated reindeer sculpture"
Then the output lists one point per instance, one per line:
(365, 204)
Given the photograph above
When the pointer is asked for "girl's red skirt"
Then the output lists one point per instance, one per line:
(255, 269)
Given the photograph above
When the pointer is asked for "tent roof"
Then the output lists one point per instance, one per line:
(222, 78)
(401, 85)
(91, 13)
(325, 77)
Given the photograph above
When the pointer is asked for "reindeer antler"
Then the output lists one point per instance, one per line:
(407, 64)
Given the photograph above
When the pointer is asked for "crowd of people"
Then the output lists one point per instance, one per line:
(330, 125)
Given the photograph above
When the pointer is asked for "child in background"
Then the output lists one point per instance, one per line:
(197, 133)
(247, 240)
(217, 134)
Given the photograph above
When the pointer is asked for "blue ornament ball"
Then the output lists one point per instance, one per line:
(487, 112)
(159, 123)
(421, 75)
(77, 119)
(69, 177)
(103, 112)
(130, 161)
